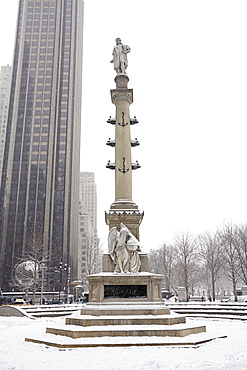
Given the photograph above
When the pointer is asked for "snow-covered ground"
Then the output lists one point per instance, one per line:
(16, 354)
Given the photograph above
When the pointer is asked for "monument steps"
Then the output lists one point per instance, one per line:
(186, 342)
(124, 309)
(82, 330)
(127, 320)
(128, 331)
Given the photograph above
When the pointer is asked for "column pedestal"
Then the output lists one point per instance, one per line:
(110, 287)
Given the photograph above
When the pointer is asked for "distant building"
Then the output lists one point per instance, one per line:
(88, 237)
(39, 190)
(5, 82)
(88, 194)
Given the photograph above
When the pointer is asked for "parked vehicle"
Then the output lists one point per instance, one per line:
(166, 294)
(18, 302)
(241, 299)
(83, 299)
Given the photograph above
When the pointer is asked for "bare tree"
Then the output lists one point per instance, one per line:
(154, 261)
(26, 271)
(34, 252)
(229, 241)
(211, 253)
(185, 248)
(162, 261)
(168, 258)
(205, 260)
(93, 256)
(241, 246)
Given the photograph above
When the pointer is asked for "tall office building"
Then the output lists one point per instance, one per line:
(88, 194)
(5, 81)
(88, 235)
(39, 191)
(87, 251)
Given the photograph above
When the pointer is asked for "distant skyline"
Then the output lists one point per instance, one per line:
(187, 67)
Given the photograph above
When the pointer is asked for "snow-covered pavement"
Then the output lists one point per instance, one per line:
(16, 354)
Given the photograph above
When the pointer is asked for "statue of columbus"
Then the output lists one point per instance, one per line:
(119, 53)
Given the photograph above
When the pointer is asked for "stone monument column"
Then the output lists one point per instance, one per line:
(122, 97)
(123, 209)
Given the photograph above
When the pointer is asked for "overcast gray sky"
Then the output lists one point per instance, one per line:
(188, 69)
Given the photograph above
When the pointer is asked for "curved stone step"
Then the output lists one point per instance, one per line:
(126, 320)
(126, 310)
(127, 331)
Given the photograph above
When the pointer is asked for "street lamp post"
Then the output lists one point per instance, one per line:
(67, 270)
(42, 268)
(61, 279)
(68, 282)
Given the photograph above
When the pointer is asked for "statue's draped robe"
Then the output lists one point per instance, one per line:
(123, 248)
(119, 56)
(122, 258)
(134, 261)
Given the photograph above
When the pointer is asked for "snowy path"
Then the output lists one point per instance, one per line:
(15, 354)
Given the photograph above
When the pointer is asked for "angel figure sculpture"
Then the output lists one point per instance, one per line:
(123, 248)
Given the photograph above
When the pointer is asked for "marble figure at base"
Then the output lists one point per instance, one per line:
(123, 248)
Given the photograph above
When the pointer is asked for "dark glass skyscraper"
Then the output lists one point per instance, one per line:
(39, 189)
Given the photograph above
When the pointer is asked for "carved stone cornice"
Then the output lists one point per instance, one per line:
(130, 218)
(125, 94)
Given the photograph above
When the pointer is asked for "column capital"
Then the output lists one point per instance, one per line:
(123, 94)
